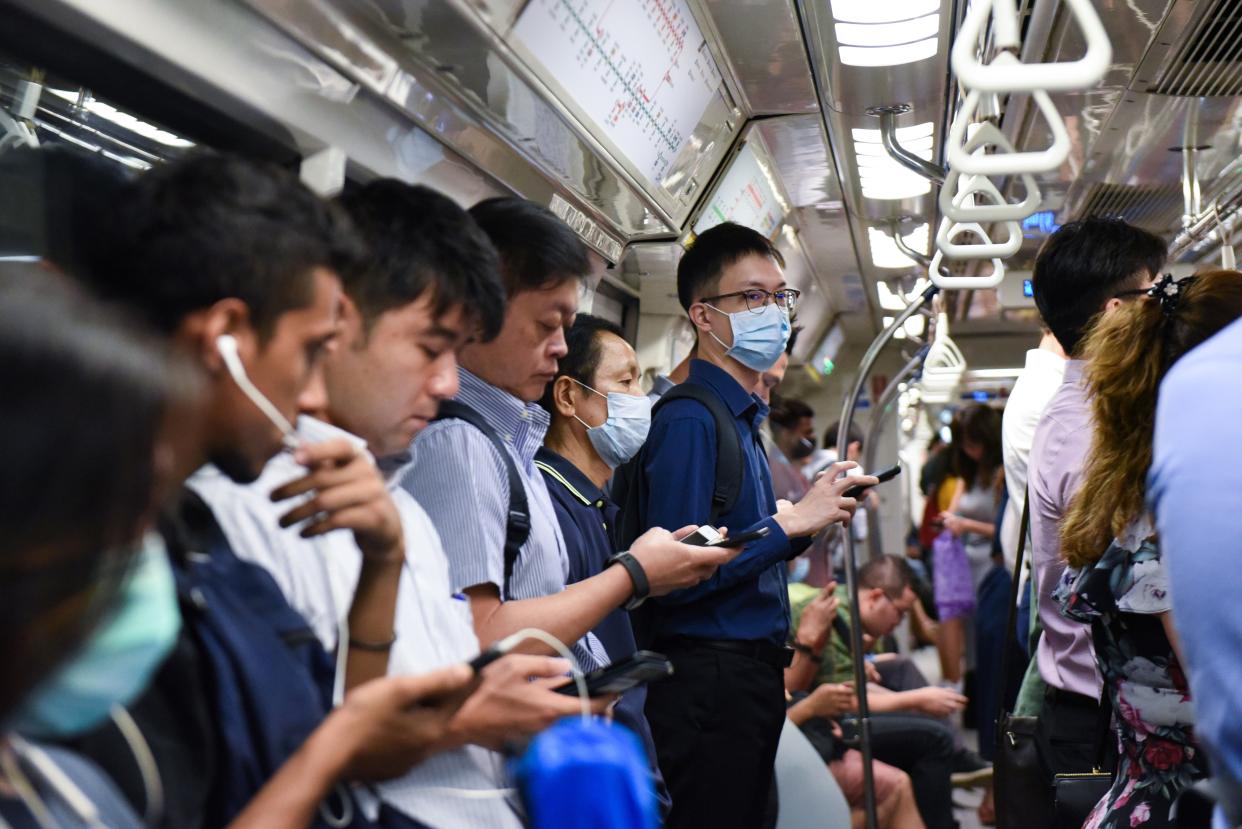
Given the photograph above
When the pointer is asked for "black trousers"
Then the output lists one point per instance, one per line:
(716, 723)
(923, 748)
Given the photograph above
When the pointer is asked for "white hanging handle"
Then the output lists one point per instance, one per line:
(986, 250)
(1015, 76)
(987, 134)
(1007, 163)
(965, 283)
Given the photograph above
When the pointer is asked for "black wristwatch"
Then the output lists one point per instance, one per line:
(807, 651)
(642, 587)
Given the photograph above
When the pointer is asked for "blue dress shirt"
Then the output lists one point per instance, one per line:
(747, 598)
(1195, 490)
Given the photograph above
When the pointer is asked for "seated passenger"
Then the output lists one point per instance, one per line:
(1116, 578)
(76, 573)
(237, 264)
(428, 284)
(599, 420)
(1198, 436)
(515, 576)
(731, 631)
(904, 732)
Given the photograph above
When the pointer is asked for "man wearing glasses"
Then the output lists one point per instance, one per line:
(717, 720)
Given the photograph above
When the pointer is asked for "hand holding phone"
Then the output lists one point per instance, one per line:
(886, 475)
(638, 669)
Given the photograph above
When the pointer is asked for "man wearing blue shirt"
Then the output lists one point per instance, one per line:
(600, 419)
(1194, 487)
(717, 721)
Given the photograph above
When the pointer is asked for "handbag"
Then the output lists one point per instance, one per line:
(1077, 794)
(1019, 781)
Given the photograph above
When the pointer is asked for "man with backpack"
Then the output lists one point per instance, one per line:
(717, 720)
(473, 470)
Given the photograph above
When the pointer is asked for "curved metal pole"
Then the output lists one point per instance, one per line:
(879, 415)
(851, 568)
(907, 159)
(921, 258)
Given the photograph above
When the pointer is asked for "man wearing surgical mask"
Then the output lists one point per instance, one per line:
(717, 720)
(600, 419)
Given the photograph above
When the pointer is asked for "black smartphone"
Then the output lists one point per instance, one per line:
(886, 475)
(639, 669)
(740, 539)
(487, 657)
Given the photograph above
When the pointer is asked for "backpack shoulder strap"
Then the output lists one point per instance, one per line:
(729, 458)
(517, 525)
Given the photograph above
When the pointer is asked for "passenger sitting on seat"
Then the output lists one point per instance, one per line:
(238, 265)
(87, 609)
(716, 748)
(427, 285)
(599, 420)
(463, 482)
(1116, 578)
(906, 731)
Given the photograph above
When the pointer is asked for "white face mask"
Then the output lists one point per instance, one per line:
(624, 431)
(226, 344)
(759, 339)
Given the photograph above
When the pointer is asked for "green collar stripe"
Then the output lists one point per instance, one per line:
(561, 479)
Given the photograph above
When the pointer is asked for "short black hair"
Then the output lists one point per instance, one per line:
(55, 201)
(536, 248)
(887, 572)
(419, 240)
(787, 411)
(1085, 263)
(581, 359)
(833, 431)
(714, 250)
(209, 227)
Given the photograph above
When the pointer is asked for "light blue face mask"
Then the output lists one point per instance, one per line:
(801, 568)
(758, 339)
(117, 662)
(624, 431)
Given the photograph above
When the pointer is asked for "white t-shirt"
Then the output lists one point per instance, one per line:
(318, 577)
(1035, 386)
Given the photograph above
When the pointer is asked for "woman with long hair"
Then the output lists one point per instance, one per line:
(975, 462)
(1116, 579)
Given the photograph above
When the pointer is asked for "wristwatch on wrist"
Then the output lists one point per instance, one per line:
(642, 587)
(808, 651)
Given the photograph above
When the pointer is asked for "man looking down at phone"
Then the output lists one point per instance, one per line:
(461, 476)
(717, 721)
(428, 284)
(600, 418)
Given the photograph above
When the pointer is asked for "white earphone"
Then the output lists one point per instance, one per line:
(226, 344)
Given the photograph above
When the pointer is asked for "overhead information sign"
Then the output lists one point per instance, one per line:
(639, 69)
(746, 196)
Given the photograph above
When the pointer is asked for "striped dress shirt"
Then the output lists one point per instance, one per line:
(459, 478)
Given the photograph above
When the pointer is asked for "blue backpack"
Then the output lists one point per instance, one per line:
(269, 676)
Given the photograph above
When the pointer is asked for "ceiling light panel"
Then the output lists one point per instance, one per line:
(886, 32)
(886, 254)
(883, 178)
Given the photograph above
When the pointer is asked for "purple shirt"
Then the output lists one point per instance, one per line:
(1062, 440)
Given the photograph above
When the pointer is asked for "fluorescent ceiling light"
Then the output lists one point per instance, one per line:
(883, 178)
(124, 119)
(913, 327)
(881, 11)
(886, 254)
(889, 55)
(888, 34)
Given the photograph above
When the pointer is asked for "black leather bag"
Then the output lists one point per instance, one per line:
(1019, 780)
(1076, 796)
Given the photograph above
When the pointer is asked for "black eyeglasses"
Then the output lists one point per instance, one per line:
(757, 298)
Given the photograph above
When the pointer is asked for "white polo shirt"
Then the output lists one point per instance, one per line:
(318, 577)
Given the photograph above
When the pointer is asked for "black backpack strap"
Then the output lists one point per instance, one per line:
(729, 458)
(517, 526)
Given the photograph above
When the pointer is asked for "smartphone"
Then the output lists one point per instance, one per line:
(886, 475)
(487, 657)
(740, 539)
(702, 537)
(639, 669)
